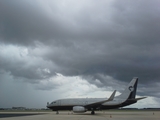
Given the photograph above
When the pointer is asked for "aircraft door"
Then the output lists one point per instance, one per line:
(86, 102)
(59, 103)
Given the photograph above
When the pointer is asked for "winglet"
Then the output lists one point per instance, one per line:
(101, 102)
(112, 96)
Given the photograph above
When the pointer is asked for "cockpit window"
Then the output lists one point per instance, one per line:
(53, 102)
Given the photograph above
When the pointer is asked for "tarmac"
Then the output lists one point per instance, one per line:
(99, 115)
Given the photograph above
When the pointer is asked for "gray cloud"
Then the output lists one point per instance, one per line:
(93, 39)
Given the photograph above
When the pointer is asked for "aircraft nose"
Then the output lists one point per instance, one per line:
(48, 105)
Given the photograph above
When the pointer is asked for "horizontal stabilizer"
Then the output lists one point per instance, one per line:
(140, 98)
(101, 102)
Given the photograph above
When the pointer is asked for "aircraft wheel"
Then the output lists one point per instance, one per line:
(92, 112)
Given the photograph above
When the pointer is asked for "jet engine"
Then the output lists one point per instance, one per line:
(79, 109)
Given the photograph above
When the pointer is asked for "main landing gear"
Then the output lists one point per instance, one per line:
(92, 112)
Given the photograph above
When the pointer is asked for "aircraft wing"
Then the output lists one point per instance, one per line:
(101, 102)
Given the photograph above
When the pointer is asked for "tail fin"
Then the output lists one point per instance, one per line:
(130, 91)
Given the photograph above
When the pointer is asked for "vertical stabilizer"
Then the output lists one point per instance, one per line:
(130, 91)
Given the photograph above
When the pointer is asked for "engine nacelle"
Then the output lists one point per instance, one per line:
(79, 109)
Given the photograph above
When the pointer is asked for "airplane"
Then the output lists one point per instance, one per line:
(81, 105)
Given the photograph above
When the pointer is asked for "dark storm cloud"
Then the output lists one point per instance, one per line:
(23, 22)
(151, 89)
(118, 38)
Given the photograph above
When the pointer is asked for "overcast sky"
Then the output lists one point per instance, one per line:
(52, 49)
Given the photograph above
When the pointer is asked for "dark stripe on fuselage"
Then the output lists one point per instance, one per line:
(70, 107)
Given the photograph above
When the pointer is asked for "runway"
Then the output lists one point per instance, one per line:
(100, 115)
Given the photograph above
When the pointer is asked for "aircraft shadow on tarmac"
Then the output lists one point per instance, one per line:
(5, 115)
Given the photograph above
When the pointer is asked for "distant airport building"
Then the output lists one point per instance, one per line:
(18, 108)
